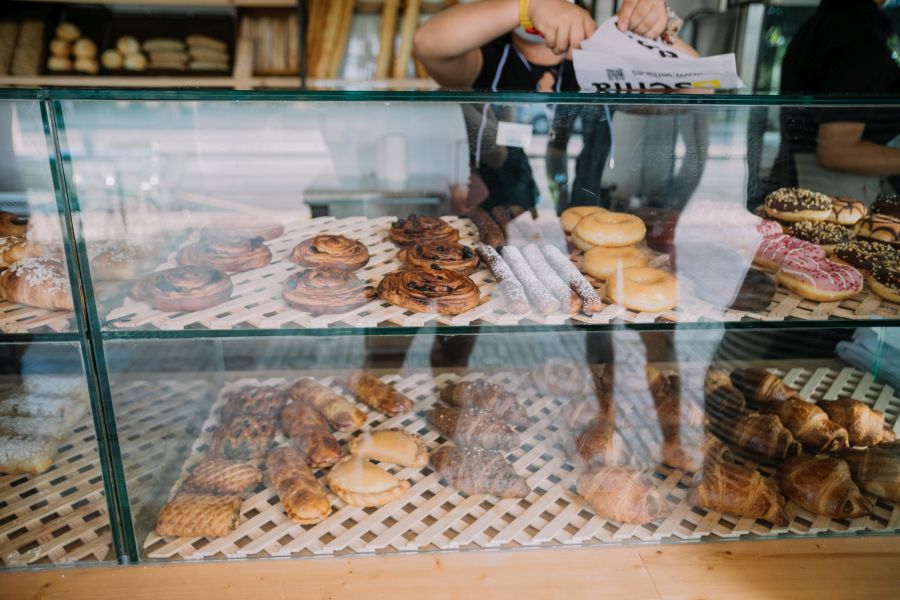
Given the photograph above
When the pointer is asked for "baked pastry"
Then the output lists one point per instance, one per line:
(43, 427)
(14, 249)
(768, 228)
(22, 454)
(427, 290)
(886, 204)
(262, 401)
(773, 251)
(822, 486)
(440, 255)
(610, 229)
(199, 515)
(339, 413)
(112, 59)
(485, 396)
(510, 286)
(127, 45)
(569, 301)
(590, 301)
(599, 445)
(246, 226)
(601, 262)
(479, 471)
(489, 232)
(331, 252)
(541, 297)
(643, 289)
(303, 499)
(760, 386)
(89, 66)
(820, 279)
(134, 62)
(621, 494)
(378, 395)
(358, 482)
(84, 48)
(846, 211)
(184, 289)
(326, 291)
(218, 476)
(305, 425)
(863, 255)
(394, 446)
(68, 409)
(68, 32)
(825, 234)
(880, 228)
(874, 470)
(12, 225)
(473, 428)
(118, 261)
(225, 252)
(885, 280)
(203, 41)
(416, 229)
(569, 218)
(761, 434)
(864, 424)
(164, 45)
(738, 490)
(243, 438)
(797, 204)
(810, 425)
(721, 397)
(39, 282)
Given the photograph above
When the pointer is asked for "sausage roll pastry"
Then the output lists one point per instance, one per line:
(243, 438)
(302, 497)
(378, 395)
(358, 482)
(395, 446)
(199, 515)
(305, 425)
(220, 476)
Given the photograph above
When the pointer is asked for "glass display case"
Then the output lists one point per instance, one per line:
(334, 323)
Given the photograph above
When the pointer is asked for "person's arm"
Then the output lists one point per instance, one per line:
(841, 148)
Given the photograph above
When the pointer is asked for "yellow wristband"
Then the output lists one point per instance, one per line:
(524, 21)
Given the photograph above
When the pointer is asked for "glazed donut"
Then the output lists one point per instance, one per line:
(12, 225)
(601, 262)
(887, 204)
(643, 289)
(570, 217)
(326, 291)
(885, 280)
(798, 204)
(416, 229)
(610, 229)
(425, 290)
(184, 289)
(773, 250)
(819, 279)
(863, 255)
(440, 255)
(846, 211)
(822, 233)
(330, 252)
(580, 243)
(247, 227)
(226, 252)
(880, 228)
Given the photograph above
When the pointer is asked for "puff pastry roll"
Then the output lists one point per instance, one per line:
(378, 395)
(220, 476)
(302, 497)
(199, 515)
(20, 454)
(822, 486)
(394, 446)
(737, 490)
(810, 425)
(864, 424)
(621, 494)
(264, 402)
(243, 438)
(358, 482)
(473, 428)
(758, 385)
(485, 396)
(764, 435)
(305, 425)
(338, 411)
(479, 471)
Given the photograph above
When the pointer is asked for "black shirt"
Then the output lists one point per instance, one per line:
(505, 69)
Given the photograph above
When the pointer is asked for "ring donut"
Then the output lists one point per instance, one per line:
(798, 204)
(570, 217)
(610, 229)
(846, 211)
(580, 243)
(601, 262)
(885, 280)
(643, 289)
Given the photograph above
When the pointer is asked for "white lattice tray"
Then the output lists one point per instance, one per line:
(434, 516)
(17, 318)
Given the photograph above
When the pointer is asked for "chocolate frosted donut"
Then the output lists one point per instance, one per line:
(184, 289)
(880, 228)
(846, 211)
(425, 290)
(331, 252)
(798, 204)
(326, 291)
(440, 255)
(825, 234)
(863, 254)
(226, 252)
(887, 204)
(12, 225)
(417, 229)
(885, 280)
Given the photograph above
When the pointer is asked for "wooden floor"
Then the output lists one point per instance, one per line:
(838, 568)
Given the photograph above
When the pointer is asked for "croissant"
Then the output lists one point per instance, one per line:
(599, 445)
(722, 398)
(758, 385)
(822, 486)
(621, 494)
(485, 396)
(809, 424)
(305, 425)
(473, 428)
(691, 458)
(764, 435)
(339, 412)
(875, 470)
(735, 489)
(479, 471)
(864, 424)
(666, 393)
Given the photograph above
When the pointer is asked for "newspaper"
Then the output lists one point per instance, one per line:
(616, 61)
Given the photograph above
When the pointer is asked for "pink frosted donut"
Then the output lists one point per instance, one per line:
(819, 278)
(769, 228)
(773, 250)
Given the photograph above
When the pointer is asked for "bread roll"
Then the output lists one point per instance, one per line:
(68, 32)
(58, 63)
(60, 48)
(127, 45)
(84, 48)
(87, 65)
(135, 62)
(112, 59)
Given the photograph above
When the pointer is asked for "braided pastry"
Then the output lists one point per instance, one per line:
(326, 291)
(226, 252)
(426, 290)
(416, 229)
(331, 252)
(440, 255)
(184, 289)
(199, 515)
(12, 225)
(15, 248)
(40, 282)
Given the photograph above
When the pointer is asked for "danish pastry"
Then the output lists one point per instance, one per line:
(331, 252)
(416, 229)
(226, 252)
(39, 282)
(427, 290)
(358, 482)
(245, 226)
(326, 291)
(621, 494)
(440, 255)
(184, 289)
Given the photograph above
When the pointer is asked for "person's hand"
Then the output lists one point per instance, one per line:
(644, 17)
(563, 25)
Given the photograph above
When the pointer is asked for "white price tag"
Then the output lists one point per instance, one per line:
(514, 135)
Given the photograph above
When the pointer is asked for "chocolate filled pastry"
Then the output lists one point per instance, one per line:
(326, 291)
(226, 252)
(378, 395)
(864, 424)
(305, 425)
(885, 280)
(12, 225)
(721, 397)
(263, 401)
(760, 386)
(394, 446)
(417, 229)
(738, 490)
(886, 204)
(760, 434)
(810, 425)
(220, 476)
(246, 226)
(473, 428)
(797, 204)
(243, 438)
(14, 249)
(875, 470)
(440, 255)
(489, 232)
(302, 497)
(485, 396)
(823, 486)
(827, 235)
(184, 289)
(358, 482)
(507, 282)
(880, 228)
(714, 268)
(38, 282)
(338, 411)
(479, 471)
(199, 515)
(864, 255)
(331, 252)
(846, 211)
(623, 495)
(427, 290)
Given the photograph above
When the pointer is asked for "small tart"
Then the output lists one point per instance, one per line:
(358, 482)
(394, 446)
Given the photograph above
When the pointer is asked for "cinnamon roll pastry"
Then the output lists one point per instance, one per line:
(12, 224)
(184, 289)
(426, 290)
(263, 401)
(378, 395)
(14, 249)
(39, 282)
(416, 229)
(331, 252)
(247, 227)
(440, 255)
(326, 291)
(226, 252)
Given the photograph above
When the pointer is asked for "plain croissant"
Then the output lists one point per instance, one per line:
(810, 425)
(822, 486)
(875, 470)
(621, 494)
(864, 424)
(737, 490)
(764, 435)
(758, 385)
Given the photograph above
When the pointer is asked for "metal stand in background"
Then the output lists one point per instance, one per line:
(302, 17)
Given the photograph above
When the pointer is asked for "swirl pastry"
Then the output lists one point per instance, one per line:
(440, 255)
(326, 291)
(417, 229)
(426, 290)
(184, 289)
(40, 282)
(12, 224)
(226, 252)
(247, 227)
(331, 252)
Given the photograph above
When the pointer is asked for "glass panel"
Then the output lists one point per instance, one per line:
(589, 437)
(53, 506)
